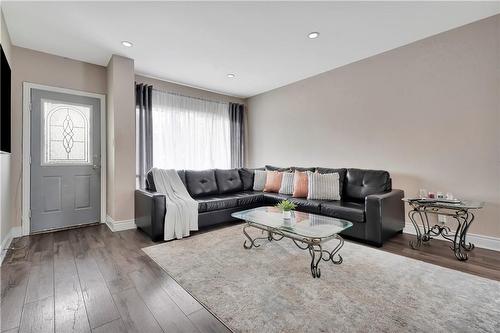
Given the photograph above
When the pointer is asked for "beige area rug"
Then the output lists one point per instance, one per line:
(270, 288)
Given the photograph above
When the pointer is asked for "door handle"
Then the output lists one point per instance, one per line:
(97, 162)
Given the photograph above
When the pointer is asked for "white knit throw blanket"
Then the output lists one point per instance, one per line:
(182, 210)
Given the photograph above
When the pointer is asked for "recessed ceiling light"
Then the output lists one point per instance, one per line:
(127, 43)
(313, 35)
(231, 75)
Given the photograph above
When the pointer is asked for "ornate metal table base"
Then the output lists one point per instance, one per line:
(313, 245)
(458, 239)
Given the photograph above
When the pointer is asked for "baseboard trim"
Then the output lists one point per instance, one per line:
(120, 225)
(482, 241)
(14, 232)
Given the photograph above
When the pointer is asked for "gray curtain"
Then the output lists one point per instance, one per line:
(237, 128)
(144, 142)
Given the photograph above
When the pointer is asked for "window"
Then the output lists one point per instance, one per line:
(66, 133)
(189, 133)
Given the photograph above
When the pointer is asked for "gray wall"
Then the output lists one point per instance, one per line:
(428, 112)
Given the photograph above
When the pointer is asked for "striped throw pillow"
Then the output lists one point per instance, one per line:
(287, 183)
(259, 180)
(323, 186)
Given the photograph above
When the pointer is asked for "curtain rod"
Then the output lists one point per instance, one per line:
(186, 96)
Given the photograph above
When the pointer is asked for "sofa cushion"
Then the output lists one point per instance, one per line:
(302, 169)
(360, 183)
(307, 205)
(217, 202)
(274, 198)
(249, 198)
(342, 173)
(201, 183)
(275, 168)
(150, 183)
(246, 176)
(352, 211)
(182, 176)
(228, 181)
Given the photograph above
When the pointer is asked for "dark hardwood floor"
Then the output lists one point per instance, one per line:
(482, 262)
(93, 280)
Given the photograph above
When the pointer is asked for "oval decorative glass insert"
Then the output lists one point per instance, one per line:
(66, 133)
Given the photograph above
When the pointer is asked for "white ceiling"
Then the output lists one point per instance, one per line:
(264, 43)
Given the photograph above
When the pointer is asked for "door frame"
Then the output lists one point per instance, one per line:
(26, 163)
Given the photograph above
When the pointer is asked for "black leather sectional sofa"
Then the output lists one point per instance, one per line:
(368, 201)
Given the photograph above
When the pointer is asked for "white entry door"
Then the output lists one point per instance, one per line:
(65, 160)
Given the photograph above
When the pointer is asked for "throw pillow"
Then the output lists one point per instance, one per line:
(259, 180)
(273, 181)
(300, 184)
(342, 174)
(287, 183)
(323, 186)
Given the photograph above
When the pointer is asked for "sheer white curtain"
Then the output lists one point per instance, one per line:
(190, 133)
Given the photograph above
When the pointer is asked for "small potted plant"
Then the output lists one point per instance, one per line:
(286, 207)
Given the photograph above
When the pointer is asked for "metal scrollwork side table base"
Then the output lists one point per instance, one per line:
(461, 212)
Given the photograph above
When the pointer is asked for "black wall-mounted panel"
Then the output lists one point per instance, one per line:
(5, 105)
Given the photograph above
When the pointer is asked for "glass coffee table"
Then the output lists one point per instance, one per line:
(307, 231)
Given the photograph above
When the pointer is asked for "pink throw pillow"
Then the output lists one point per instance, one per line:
(273, 181)
(300, 185)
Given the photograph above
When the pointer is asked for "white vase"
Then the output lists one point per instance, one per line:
(287, 214)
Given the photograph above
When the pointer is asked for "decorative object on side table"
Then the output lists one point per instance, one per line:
(286, 207)
(459, 210)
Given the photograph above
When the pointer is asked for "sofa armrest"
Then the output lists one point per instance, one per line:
(150, 212)
(384, 215)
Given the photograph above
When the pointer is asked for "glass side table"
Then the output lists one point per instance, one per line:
(461, 212)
